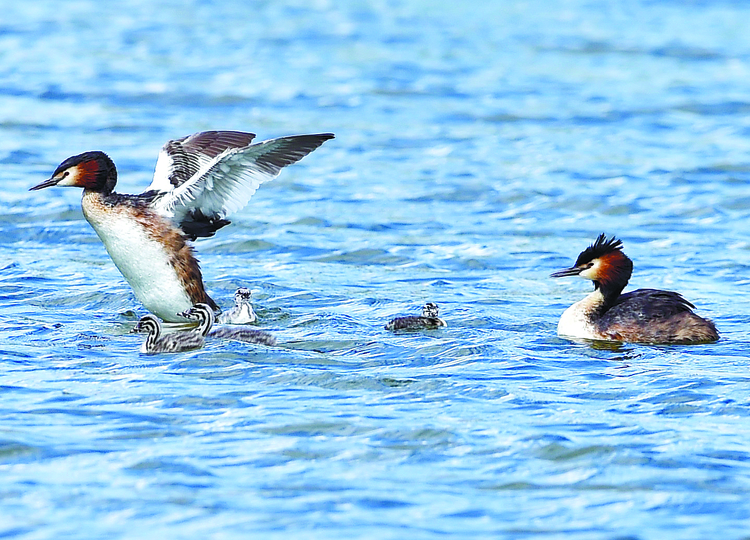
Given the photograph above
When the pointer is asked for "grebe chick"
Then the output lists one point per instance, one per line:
(203, 314)
(174, 342)
(249, 335)
(198, 182)
(429, 320)
(242, 312)
(642, 316)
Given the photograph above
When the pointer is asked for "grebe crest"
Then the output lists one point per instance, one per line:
(642, 316)
(428, 320)
(199, 180)
(157, 342)
(242, 312)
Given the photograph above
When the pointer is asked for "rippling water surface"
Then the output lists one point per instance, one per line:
(479, 147)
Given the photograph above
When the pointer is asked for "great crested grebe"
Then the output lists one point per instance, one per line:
(642, 316)
(242, 312)
(199, 180)
(428, 320)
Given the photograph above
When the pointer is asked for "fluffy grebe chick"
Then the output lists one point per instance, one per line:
(173, 342)
(428, 320)
(199, 180)
(242, 312)
(641, 316)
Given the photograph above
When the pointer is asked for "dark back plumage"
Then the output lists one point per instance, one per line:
(655, 316)
(653, 303)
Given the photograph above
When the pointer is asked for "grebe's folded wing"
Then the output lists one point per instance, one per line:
(651, 303)
(224, 184)
(181, 159)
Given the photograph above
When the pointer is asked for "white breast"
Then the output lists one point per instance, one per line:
(575, 321)
(243, 314)
(143, 261)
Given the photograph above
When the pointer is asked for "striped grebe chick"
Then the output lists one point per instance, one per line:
(642, 316)
(156, 342)
(427, 321)
(199, 180)
(242, 312)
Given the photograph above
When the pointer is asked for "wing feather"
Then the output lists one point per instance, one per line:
(649, 304)
(180, 159)
(225, 183)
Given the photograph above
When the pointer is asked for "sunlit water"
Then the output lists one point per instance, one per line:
(479, 147)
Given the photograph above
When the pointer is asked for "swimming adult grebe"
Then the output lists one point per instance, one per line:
(428, 320)
(242, 312)
(199, 180)
(641, 316)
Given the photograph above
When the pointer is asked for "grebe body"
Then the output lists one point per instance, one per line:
(429, 320)
(156, 342)
(171, 281)
(643, 316)
(198, 181)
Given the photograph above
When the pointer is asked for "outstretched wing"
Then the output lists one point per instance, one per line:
(180, 159)
(224, 183)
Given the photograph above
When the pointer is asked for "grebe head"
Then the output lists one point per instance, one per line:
(149, 324)
(203, 314)
(430, 309)
(604, 263)
(90, 170)
(242, 296)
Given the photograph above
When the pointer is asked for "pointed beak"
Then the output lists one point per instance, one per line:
(573, 271)
(47, 183)
(187, 314)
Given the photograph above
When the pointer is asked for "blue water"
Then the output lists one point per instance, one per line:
(479, 147)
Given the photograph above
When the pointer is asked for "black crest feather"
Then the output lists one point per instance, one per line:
(601, 246)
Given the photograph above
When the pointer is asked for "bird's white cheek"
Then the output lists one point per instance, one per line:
(70, 179)
(591, 273)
